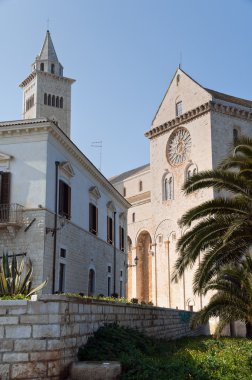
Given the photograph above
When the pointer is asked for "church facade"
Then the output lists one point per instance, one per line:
(193, 129)
(55, 206)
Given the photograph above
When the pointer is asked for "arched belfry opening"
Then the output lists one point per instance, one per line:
(144, 268)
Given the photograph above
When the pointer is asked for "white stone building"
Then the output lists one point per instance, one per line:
(55, 206)
(192, 131)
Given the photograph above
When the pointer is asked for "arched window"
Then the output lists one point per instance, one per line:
(179, 109)
(133, 217)
(235, 135)
(61, 102)
(91, 282)
(191, 171)
(53, 100)
(49, 102)
(42, 67)
(45, 98)
(124, 192)
(52, 68)
(140, 186)
(57, 101)
(168, 186)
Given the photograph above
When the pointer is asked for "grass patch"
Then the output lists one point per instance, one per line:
(199, 358)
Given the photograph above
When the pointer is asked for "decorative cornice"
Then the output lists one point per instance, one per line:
(44, 73)
(184, 118)
(197, 112)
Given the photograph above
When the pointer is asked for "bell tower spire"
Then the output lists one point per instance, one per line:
(46, 92)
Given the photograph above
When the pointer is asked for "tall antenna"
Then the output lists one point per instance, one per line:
(98, 144)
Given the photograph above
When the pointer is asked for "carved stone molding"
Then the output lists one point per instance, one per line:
(197, 112)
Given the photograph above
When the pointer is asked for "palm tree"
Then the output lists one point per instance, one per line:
(233, 300)
(220, 230)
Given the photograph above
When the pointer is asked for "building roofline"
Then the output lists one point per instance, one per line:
(48, 125)
(129, 173)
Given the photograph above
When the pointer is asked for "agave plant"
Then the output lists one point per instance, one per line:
(15, 277)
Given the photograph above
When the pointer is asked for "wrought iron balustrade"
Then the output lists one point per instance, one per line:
(11, 214)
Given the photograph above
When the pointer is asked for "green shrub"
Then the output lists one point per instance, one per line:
(200, 358)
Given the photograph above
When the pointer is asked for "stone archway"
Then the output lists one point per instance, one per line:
(144, 268)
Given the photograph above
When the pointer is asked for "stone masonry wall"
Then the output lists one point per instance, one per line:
(39, 339)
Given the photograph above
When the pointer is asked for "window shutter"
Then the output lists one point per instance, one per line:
(120, 237)
(61, 197)
(96, 220)
(108, 229)
(69, 203)
(90, 217)
(122, 229)
(5, 188)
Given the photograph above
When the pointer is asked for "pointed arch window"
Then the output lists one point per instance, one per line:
(45, 98)
(140, 185)
(57, 101)
(53, 100)
(42, 67)
(49, 100)
(52, 68)
(168, 187)
(61, 102)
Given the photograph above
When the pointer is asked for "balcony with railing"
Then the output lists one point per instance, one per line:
(11, 215)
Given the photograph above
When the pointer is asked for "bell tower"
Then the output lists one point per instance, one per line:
(46, 92)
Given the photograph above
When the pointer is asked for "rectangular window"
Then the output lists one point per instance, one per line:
(64, 199)
(4, 197)
(93, 219)
(62, 253)
(110, 230)
(4, 188)
(121, 238)
(109, 286)
(179, 110)
(62, 278)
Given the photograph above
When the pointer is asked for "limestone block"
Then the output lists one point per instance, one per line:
(44, 356)
(34, 319)
(95, 370)
(8, 320)
(30, 345)
(46, 331)
(10, 357)
(6, 345)
(54, 368)
(16, 332)
(5, 371)
(28, 370)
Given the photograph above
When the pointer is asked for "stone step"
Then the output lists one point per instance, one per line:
(95, 370)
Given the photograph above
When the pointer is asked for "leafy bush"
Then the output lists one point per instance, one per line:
(15, 278)
(200, 358)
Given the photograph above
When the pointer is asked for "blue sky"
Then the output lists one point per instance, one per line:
(123, 54)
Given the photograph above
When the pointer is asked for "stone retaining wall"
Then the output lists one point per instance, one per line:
(39, 339)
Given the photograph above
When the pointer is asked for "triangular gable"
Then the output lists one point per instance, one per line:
(67, 168)
(111, 206)
(181, 88)
(5, 157)
(93, 190)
